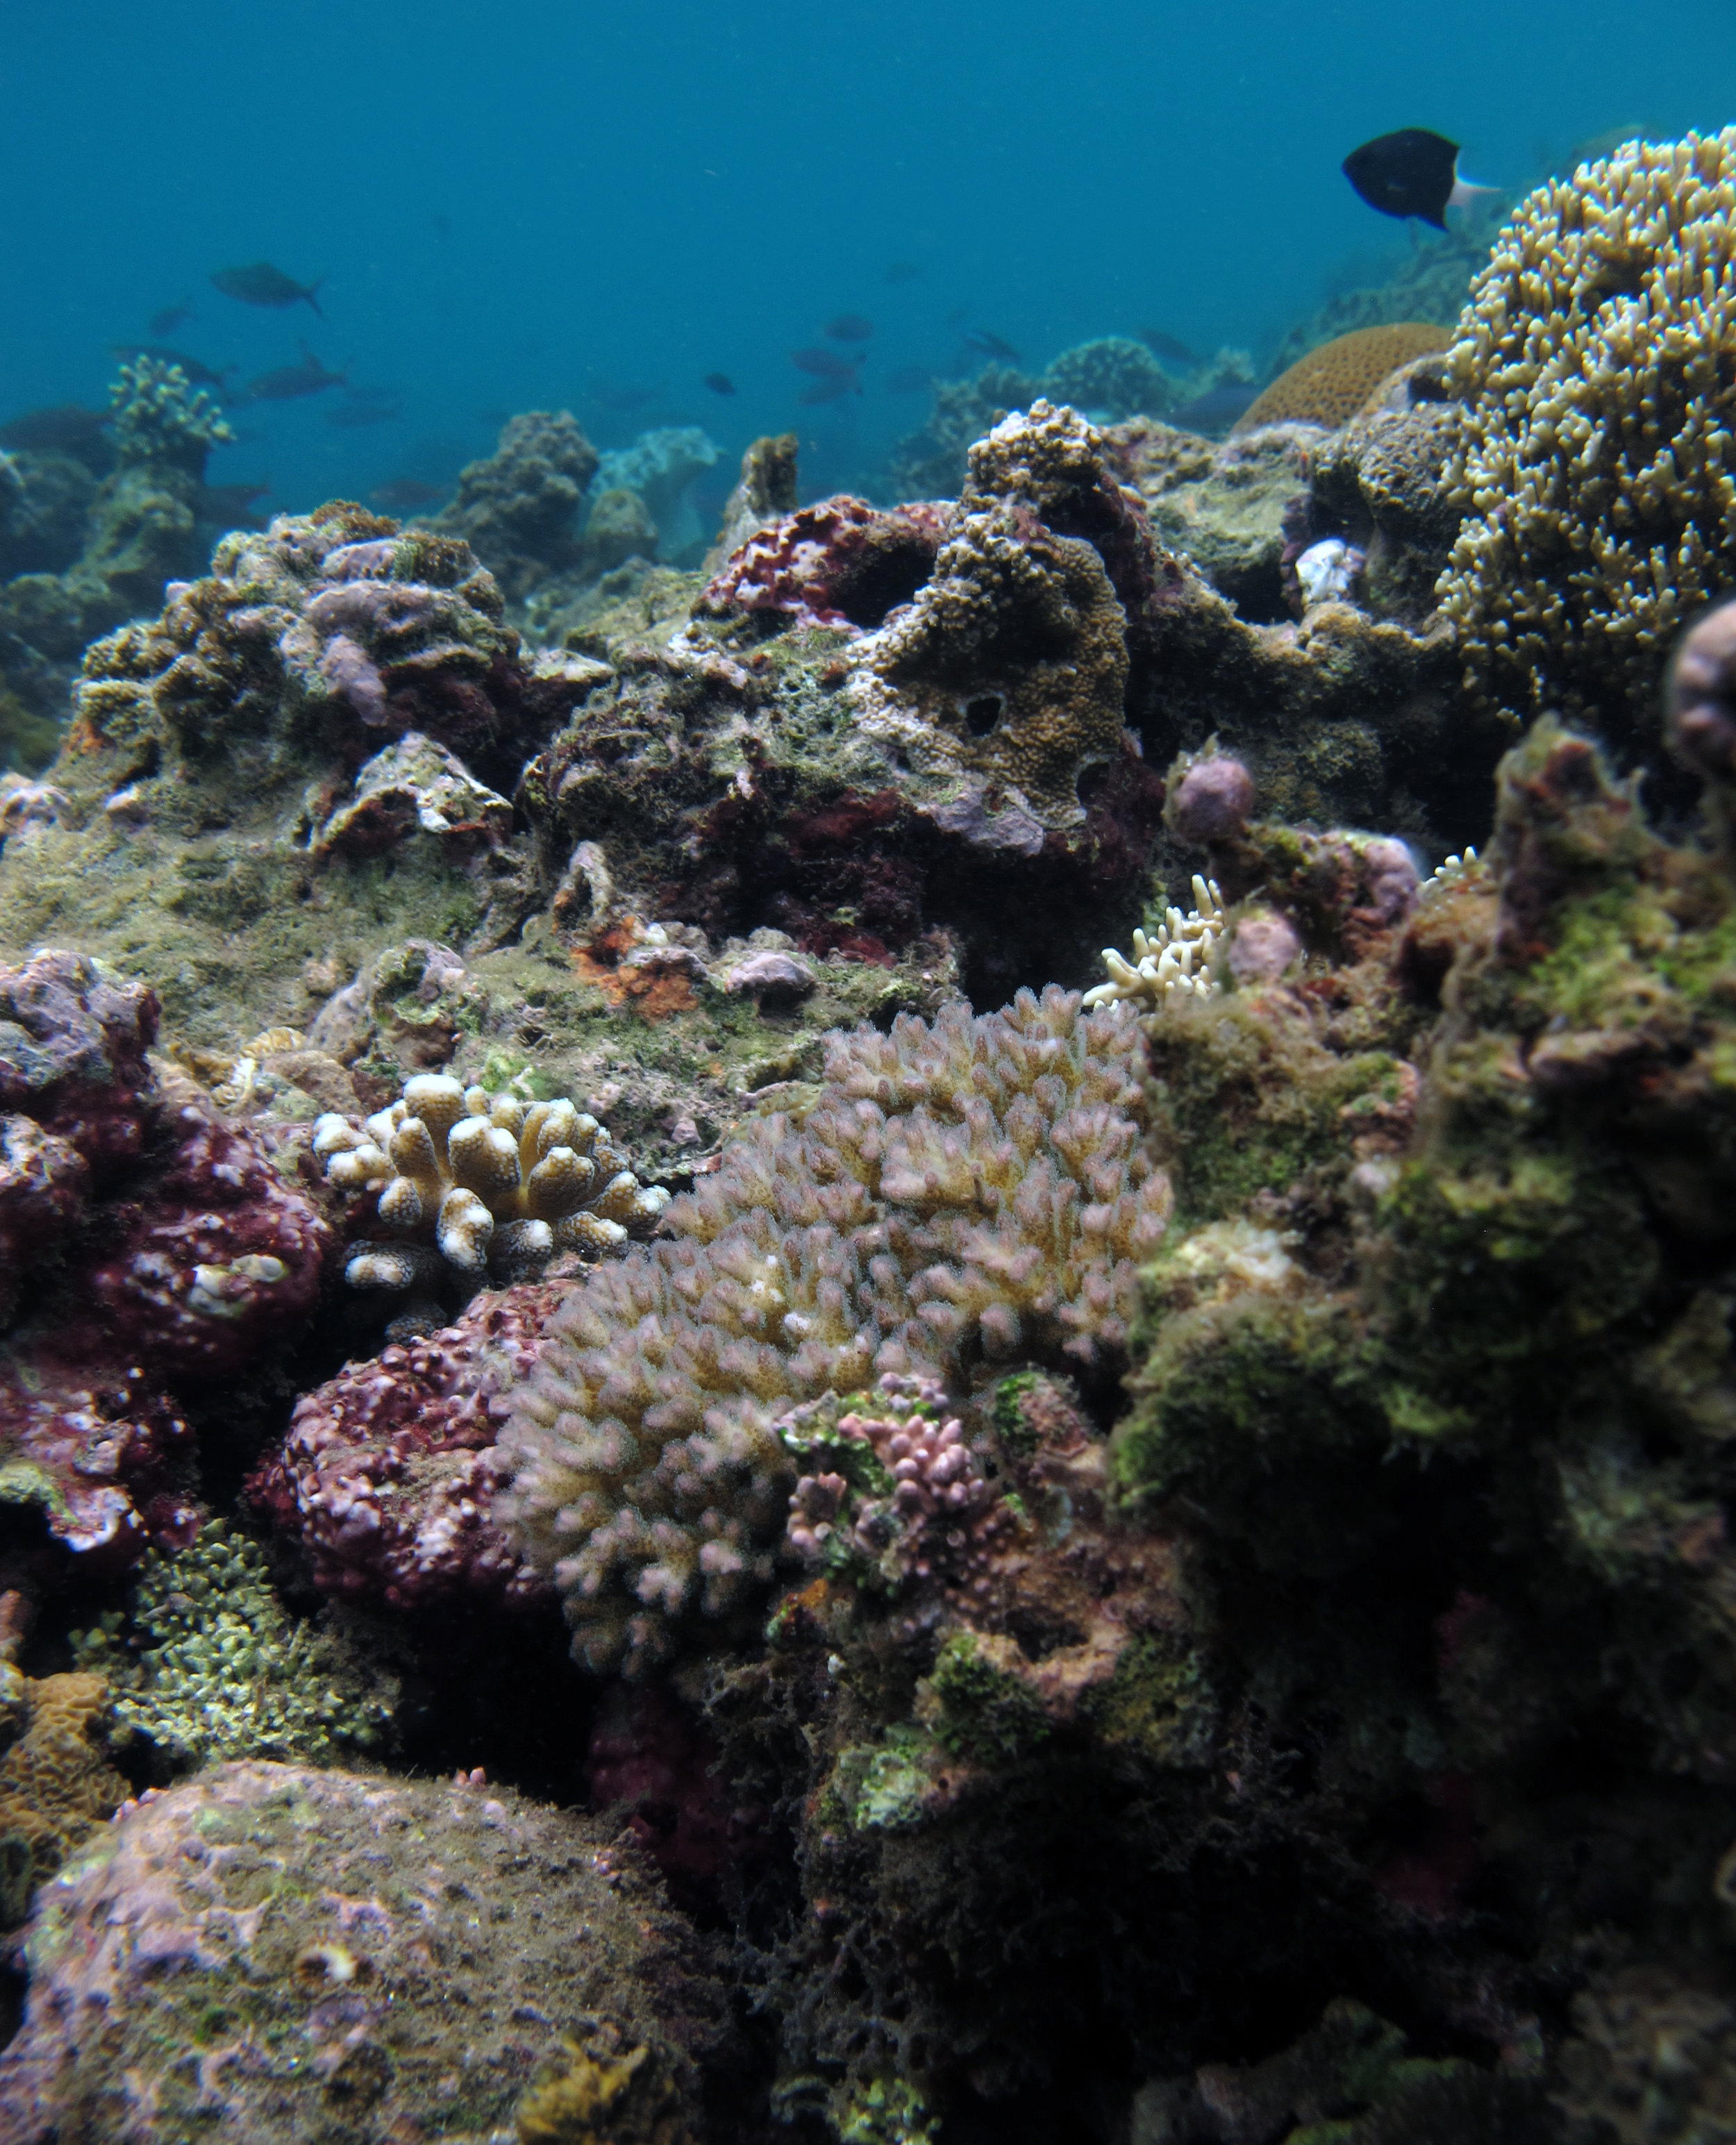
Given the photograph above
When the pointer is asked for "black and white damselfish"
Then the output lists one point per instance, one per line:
(1412, 172)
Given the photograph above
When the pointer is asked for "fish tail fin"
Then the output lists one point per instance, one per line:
(311, 299)
(1466, 191)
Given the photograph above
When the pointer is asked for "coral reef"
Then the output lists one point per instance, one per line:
(660, 467)
(765, 492)
(518, 508)
(1332, 384)
(282, 1947)
(840, 562)
(388, 1476)
(212, 1667)
(471, 1183)
(1109, 380)
(962, 1188)
(1591, 362)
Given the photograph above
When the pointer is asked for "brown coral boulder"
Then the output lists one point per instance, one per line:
(287, 1950)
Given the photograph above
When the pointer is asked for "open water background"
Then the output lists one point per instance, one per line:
(549, 202)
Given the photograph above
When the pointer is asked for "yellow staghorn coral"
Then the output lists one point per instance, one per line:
(1597, 361)
(1175, 957)
(479, 1184)
(975, 1189)
(1331, 384)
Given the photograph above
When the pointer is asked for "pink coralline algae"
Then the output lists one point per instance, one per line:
(840, 562)
(1213, 801)
(216, 1256)
(388, 1476)
(72, 1044)
(143, 1249)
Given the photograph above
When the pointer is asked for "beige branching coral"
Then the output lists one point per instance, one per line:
(977, 1188)
(1175, 957)
(481, 1185)
(1597, 359)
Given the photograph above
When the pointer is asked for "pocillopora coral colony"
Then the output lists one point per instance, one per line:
(473, 1184)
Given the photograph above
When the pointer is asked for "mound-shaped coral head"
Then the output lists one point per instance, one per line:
(470, 1182)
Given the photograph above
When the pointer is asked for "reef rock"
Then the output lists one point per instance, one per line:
(354, 1910)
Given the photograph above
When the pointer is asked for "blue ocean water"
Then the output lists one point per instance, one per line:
(552, 204)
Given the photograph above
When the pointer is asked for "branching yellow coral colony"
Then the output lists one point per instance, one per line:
(1177, 957)
(1597, 363)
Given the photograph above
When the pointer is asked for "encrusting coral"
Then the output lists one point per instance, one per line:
(56, 1782)
(388, 1476)
(147, 1248)
(974, 1187)
(471, 1183)
(1595, 363)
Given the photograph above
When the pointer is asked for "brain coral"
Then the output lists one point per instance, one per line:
(56, 1780)
(973, 1188)
(283, 1953)
(1014, 658)
(1597, 359)
(1331, 384)
(467, 1181)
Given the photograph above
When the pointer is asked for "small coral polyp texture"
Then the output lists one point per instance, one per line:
(471, 1183)
(974, 1189)
(1595, 361)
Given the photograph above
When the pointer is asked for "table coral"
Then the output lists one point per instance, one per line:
(283, 1949)
(471, 1183)
(1330, 384)
(974, 1186)
(1593, 361)
(389, 1472)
